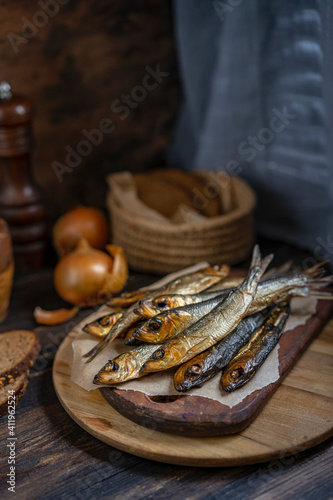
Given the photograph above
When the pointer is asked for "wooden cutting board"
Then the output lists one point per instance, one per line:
(296, 417)
(198, 416)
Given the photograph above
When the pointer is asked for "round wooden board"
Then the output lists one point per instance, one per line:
(298, 416)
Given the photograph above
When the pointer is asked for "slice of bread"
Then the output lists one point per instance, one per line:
(18, 385)
(18, 351)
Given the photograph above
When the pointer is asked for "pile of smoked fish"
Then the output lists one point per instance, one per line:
(204, 323)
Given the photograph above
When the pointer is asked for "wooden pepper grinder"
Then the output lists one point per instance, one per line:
(20, 202)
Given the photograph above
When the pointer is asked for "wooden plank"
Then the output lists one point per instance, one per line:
(84, 467)
(293, 419)
(197, 416)
(74, 67)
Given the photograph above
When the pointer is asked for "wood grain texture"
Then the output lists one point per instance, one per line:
(292, 419)
(73, 67)
(57, 459)
(197, 416)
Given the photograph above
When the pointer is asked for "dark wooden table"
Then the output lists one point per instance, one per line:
(57, 459)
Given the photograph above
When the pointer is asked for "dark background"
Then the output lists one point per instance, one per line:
(72, 68)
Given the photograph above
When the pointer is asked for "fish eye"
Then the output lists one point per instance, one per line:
(159, 354)
(162, 303)
(238, 372)
(104, 321)
(115, 366)
(155, 325)
(109, 365)
(195, 369)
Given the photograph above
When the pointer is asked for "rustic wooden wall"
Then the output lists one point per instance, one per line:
(74, 61)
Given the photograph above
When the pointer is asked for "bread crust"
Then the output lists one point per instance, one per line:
(22, 364)
(18, 394)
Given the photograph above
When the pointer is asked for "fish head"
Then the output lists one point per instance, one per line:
(101, 325)
(239, 372)
(190, 374)
(149, 330)
(164, 357)
(166, 302)
(130, 338)
(116, 371)
(160, 328)
(146, 309)
(151, 307)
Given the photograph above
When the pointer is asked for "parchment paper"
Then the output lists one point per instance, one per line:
(162, 383)
(124, 193)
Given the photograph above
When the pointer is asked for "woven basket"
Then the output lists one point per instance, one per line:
(155, 248)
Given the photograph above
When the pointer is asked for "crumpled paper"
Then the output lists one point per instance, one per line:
(161, 383)
(124, 193)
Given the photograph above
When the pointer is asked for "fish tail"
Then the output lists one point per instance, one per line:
(321, 295)
(316, 271)
(257, 269)
(318, 283)
(279, 272)
(258, 262)
(266, 262)
(256, 257)
(325, 280)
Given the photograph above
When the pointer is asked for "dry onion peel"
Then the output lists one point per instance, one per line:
(44, 317)
(116, 280)
(86, 277)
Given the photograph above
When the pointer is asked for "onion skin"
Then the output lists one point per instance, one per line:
(56, 317)
(80, 222)
(87, 277)
(116, 281)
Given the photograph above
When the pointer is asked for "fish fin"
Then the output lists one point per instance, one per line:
(256, 257)
(320, 283)
(324, 279)
(322, 296)
(317, 270)
(257, 261)
(266, 262)
(257, 269)
(279, 272)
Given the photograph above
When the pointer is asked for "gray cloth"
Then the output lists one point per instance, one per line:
(257, 87)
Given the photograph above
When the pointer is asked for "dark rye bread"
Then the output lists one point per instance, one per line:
(18, 385)
(18, 351)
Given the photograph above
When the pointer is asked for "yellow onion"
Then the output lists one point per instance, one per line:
(87, 276)
(80, 222)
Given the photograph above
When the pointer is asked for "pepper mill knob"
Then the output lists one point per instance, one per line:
(20, 200)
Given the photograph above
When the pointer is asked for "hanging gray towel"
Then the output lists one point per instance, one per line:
(257, 79)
